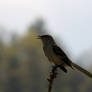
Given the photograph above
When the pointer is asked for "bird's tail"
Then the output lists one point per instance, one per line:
(82, 70)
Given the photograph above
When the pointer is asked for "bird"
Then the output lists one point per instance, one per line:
(57, 56)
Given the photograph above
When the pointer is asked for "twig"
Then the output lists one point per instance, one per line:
(53, 75)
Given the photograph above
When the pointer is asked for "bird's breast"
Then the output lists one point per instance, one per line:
(52, 57)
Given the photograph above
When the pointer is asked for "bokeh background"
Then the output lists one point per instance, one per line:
(23, 65)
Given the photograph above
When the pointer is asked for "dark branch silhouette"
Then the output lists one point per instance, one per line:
(52, 76)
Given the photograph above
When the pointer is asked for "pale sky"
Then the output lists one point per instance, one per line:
(70, 20)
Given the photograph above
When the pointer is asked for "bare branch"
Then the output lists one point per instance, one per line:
(51, 78)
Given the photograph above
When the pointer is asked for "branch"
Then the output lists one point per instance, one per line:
(52, 77)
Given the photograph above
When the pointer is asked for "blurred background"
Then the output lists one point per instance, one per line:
(23, 66)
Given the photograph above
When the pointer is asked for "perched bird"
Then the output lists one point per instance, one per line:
(57, 56)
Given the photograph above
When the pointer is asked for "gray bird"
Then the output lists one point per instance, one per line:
(57, 56)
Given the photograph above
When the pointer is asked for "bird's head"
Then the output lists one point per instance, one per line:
(46, 39)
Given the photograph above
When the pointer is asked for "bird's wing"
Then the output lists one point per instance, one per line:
(58, 51)
(82, 70)
(64, 57)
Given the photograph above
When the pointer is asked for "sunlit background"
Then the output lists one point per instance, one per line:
(23, 66)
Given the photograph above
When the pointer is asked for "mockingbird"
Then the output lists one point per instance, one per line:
(57, 56)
